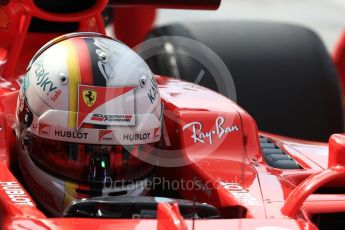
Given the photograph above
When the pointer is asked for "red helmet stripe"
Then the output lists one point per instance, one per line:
(83, 60)
(73, 81)
(85, 65)
(98, 77)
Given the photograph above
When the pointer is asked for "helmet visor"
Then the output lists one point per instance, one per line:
(89, 162)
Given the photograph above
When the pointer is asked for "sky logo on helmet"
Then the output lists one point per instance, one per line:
(105, 135)
(42, 78)
(89, 97)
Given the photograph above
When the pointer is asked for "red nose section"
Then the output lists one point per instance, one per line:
(336, 151)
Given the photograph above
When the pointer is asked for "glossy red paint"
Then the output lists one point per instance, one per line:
(132, 24)
(325, 203)
(58, 223)
(241, 187)
(336, 151)
(18, 45)
(133, 20)
(169, 217)
(307, 187)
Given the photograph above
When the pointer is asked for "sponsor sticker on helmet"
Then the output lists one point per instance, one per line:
(105, 135)
(70, 134)
(157, 133)
(153, 92)
(106, 105)
(96, 136)
(56, 95)
(89, 97)
(43, 81)
(44, 129)
(42, 77)
(136, 136)
(112, 118)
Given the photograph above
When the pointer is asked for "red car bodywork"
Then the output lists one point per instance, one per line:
(232, 165)
(248, 192)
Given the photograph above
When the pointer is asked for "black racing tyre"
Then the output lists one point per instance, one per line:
(283, 74)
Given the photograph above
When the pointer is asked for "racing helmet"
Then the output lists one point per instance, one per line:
(88, 114)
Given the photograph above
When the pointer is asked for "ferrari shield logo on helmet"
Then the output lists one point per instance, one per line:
(113, 105)
(89, 97)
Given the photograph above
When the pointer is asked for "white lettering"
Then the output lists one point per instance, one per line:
(16, 193)
(240, 193)
(200, 136)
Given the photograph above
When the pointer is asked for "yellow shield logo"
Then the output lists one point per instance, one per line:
(89, 97)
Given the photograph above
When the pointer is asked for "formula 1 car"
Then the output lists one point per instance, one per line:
(229, 174)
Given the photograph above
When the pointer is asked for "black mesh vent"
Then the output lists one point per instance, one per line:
(275, 157)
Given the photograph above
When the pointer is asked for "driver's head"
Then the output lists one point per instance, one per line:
(88, 112)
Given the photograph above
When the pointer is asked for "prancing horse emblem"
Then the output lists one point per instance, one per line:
(89, 97)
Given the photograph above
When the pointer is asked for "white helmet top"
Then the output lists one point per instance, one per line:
(88, 88)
